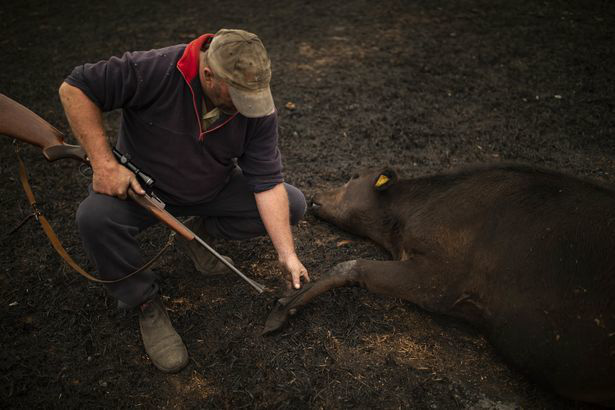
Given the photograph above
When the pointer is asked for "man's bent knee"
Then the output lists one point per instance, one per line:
(90, 216)
(297, 204)
(97, 212)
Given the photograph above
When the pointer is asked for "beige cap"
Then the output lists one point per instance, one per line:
(240, 59)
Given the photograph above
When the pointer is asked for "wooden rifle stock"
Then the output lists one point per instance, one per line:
(65, 151)
(20, 123)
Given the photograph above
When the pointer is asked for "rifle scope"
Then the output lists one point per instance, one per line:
(125, 160)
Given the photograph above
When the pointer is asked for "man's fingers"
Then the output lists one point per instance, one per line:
(297, 278)
(296, 282)
(116, 181)
(134, 184)
(295, 270)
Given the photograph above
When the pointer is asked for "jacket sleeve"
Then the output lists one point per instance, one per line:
(114, 83)
(262, 162)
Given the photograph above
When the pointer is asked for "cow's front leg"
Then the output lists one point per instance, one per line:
(343, 274)
(422, 280)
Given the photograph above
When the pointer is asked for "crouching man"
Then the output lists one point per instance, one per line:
(200, 118)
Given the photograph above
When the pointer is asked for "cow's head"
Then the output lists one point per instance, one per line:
(358, 205)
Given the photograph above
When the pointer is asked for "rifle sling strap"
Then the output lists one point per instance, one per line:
(57, 245)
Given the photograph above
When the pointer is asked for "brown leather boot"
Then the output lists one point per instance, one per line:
(162, 343)
(204, 261)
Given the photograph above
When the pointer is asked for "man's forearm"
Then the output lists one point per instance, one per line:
(85, 119)
(273, 209)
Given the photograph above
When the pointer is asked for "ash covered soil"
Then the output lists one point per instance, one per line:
(424, 86)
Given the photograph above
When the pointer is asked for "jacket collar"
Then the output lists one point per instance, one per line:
(188, 66)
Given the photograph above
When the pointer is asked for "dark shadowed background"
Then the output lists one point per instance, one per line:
(424, 86)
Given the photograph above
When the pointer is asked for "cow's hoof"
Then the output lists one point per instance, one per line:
(278, 316)
(284, 308)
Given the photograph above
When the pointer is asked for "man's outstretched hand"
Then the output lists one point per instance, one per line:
(295, 269)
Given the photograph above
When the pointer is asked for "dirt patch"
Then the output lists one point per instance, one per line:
(423, 86)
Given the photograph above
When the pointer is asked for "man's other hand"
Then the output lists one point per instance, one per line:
(295, 269)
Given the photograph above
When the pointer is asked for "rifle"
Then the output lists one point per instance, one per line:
(18, 122)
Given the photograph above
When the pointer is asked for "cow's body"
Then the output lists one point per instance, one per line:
(526, 255)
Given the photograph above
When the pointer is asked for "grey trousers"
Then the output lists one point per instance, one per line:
(108, 227)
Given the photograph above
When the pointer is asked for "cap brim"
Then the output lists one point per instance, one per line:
(252, 104)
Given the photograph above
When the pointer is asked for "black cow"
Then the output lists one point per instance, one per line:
(524, 254)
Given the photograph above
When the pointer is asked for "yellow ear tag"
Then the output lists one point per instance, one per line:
(383, 179)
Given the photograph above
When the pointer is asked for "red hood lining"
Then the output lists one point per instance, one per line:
(188, 64)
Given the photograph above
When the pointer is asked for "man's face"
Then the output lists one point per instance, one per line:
(217, 91)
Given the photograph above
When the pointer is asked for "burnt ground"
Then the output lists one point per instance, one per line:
(425, 86)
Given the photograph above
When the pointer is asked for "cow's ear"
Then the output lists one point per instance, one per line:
(385, 179)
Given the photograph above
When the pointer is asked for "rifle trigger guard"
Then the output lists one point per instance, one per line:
(85, 170)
